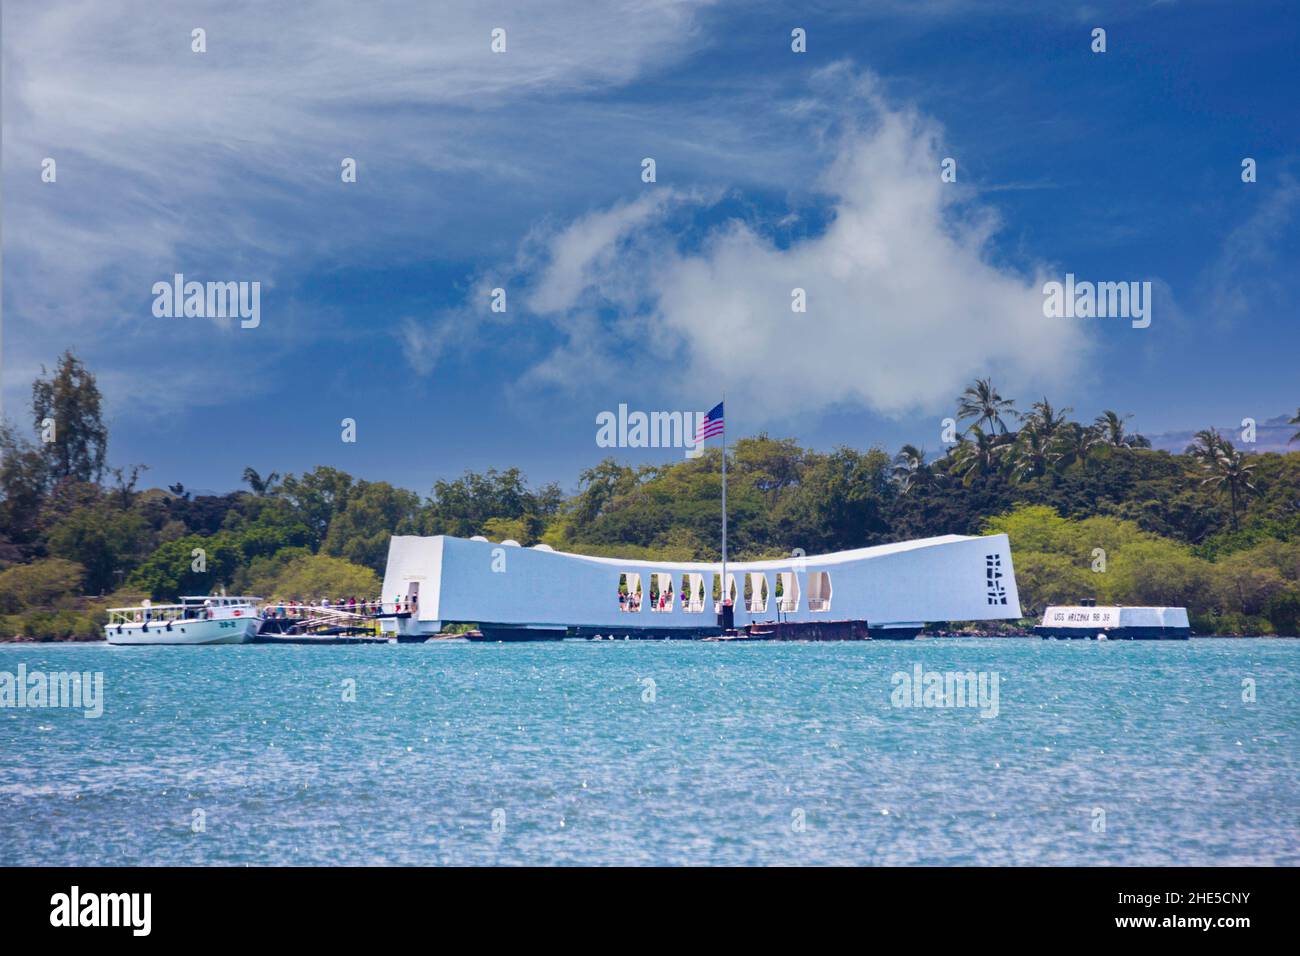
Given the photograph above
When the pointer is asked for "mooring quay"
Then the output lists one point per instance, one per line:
(513, 593)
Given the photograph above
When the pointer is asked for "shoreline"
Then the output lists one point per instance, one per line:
(923, 636)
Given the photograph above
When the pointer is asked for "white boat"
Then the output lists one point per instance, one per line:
(196, 620)
(1088, 621)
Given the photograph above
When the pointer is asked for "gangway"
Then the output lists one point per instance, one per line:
(322, 620)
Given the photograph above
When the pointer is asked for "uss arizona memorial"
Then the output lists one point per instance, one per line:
(513, 592)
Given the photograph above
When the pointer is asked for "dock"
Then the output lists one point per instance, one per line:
(325, 624)
(317, 639)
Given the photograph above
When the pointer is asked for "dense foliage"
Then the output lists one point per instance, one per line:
(1213, 528)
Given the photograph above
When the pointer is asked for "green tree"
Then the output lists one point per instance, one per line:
(1110, 430)
(24, 484)
(842, 502)
(175, 569)
(977, 456)
(375, 512)
(317, 496)
(770, 464)
(1207, 445)
(507, 529)
(266, 525)
(1075, 443)
(1156, 572)
(258, 485)
(39, 584)
(1044, 579)
(1231, 472)
(107, 542)
(598, 486)
(311, 577)
(1246, 583)
(983, 403)
(911, 470)
(1034, 528)
(461, 507)
(1047, 421)
(1033, 454)
(69, 402)
(258, 576)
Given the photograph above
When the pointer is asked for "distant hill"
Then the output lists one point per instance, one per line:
(1273, 434)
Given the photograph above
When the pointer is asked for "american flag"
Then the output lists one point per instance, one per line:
(711, 426)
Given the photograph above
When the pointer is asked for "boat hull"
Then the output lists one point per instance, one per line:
(226, 631)
(506, 632)
(1115, 633)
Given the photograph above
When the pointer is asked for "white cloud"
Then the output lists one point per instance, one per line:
(1243, 279)
(578, 256)
(905, 302)
(227, 162)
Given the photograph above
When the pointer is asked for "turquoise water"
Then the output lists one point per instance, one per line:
(739, 743)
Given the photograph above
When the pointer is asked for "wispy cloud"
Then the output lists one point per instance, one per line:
(1273, 434)
(1242, 279)
(904, 302)
(227, 162)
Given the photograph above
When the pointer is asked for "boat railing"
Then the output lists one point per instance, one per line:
(363, 609)
(161, 613)
(188, 611)
(219, 600)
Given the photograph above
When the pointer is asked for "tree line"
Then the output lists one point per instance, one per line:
(77, 535)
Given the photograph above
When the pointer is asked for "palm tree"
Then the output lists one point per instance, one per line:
(1207, 445)
(1230, 470)
(259, 485)
(1294, 421)
(911, 470)
(1034, 453)
(1110, 429)
(978, 455)
(1076, 443)
(1046, 420)
(982, 402)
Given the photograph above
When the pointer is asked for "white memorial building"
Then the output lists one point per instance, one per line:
(514, 593)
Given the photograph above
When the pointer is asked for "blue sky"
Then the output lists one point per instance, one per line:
(522, 170)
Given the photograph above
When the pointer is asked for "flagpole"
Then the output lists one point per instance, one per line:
(725, 589)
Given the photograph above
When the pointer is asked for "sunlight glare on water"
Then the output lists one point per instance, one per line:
(717, 761)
